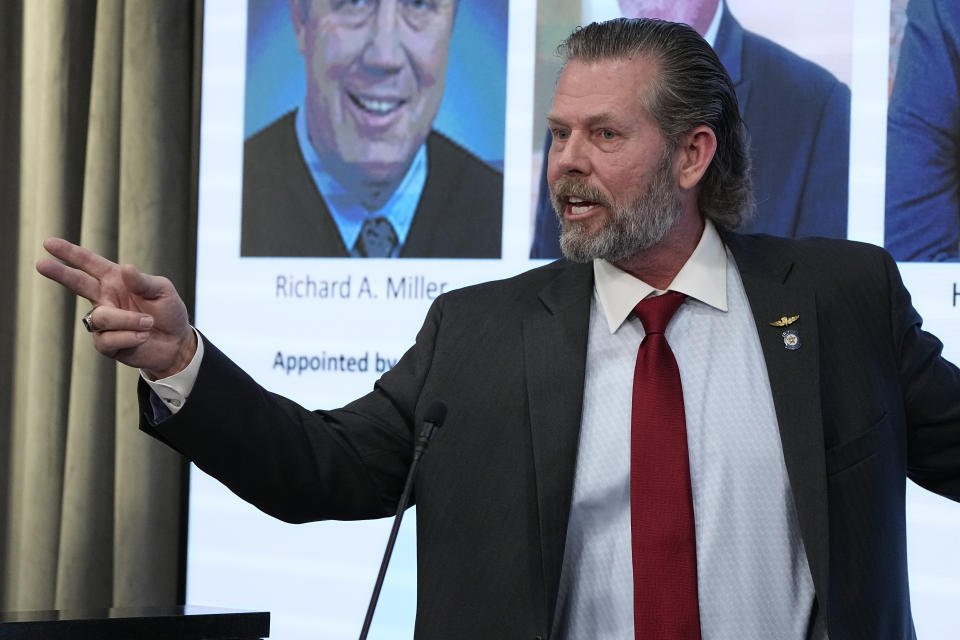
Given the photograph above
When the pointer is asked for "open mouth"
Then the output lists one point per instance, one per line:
(579, 206)
(376, 106)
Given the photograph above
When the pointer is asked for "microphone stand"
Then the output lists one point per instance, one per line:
(433, 418)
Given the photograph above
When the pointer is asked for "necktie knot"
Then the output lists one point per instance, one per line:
(655, 313)
(377, 239)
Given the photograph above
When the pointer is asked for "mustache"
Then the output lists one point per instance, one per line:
(567, 187)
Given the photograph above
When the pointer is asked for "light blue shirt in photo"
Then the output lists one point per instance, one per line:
(345, 208)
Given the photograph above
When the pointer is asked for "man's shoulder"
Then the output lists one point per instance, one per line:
(460, 212)
(445, 155)
(803, 248)
(524, 289)
(277, 136)
(283, 213)
(272, 154)
(819, 258)
(774, 63)
(945, 13)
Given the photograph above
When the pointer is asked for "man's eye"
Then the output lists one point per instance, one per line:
(354, 13)
(419, 13)
(607, 134)
(354, 7)
(560, 134)
(430, 5)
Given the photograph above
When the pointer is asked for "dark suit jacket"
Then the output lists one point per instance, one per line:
(923, 137)
(864, 402)
(798, 117)
(459, 214)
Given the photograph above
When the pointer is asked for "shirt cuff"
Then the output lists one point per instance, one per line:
(174, 390)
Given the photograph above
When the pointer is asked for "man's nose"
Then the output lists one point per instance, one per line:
(384, 51)
(569, 156)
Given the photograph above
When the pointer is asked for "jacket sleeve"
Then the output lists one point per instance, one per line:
(295, 464)
(931, 397)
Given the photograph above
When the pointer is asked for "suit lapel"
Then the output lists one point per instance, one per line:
(555, 350)
(795, 383)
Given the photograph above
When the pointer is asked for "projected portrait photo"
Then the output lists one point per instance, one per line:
(922, 220)
(797, 109)
(374, 129)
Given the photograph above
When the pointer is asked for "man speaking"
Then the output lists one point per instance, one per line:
(358, 171)
(676, 432)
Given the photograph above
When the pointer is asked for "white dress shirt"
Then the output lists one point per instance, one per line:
(752, 575)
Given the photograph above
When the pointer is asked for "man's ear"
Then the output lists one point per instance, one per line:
(693, 156)
(299, 12)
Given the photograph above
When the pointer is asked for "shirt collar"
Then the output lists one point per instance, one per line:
(703, 277)
(711, 35)
(346, 210)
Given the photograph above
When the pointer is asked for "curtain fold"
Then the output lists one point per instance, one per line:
(11, 43)
(154, 195)
(86, 518)
(98, 127)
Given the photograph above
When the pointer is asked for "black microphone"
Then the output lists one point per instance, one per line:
(432, 419)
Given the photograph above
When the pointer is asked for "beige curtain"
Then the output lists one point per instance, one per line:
(98, 138)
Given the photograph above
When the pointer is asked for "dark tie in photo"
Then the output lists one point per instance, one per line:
(377, 239)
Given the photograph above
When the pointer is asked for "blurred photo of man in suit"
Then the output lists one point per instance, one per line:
(800, 171)
(358, 170)
(923, 138)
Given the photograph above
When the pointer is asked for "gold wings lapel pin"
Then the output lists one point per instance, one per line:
(784, 321)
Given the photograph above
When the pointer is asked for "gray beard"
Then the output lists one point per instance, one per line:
(630, 228)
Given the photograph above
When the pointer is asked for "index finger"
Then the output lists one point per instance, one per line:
(76, 256)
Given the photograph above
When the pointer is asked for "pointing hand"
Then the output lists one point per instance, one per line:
(137, 319)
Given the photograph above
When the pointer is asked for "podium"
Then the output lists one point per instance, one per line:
(136, 623)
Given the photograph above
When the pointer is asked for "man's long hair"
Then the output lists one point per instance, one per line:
(692, 89)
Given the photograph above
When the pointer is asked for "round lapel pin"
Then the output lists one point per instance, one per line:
(791, 340)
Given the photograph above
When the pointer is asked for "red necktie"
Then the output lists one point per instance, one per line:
(661, 505)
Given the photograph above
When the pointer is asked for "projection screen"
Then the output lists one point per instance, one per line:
(310, 322)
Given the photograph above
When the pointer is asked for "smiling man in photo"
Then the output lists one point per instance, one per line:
(358, 170)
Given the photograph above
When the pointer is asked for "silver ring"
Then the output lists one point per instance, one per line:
(88, 322)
